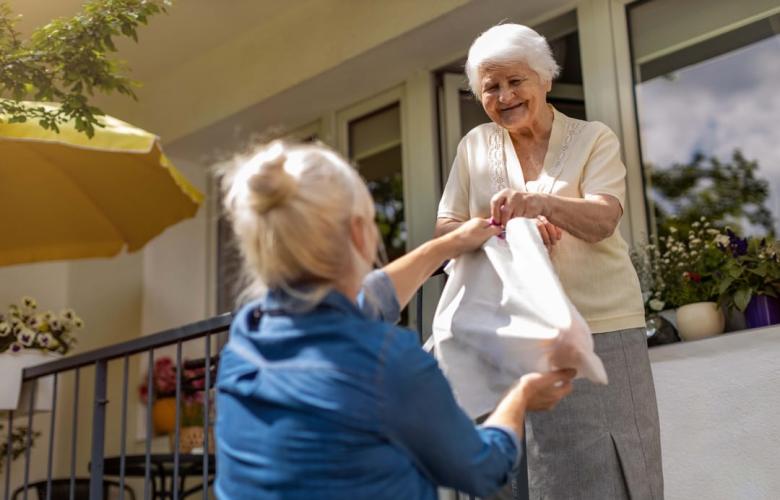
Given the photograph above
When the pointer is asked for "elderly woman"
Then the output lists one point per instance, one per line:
(533, 161)
(318, 395)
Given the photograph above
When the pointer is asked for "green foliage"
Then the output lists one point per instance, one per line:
(67, 61)
(18, 443)
(387, 193)
(192, 414)
(683, 268)
(725, 193)
(752, 269)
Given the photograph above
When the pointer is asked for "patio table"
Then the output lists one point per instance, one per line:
(162, 471)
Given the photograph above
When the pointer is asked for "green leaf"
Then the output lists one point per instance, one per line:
(725, 284)
(742, 298)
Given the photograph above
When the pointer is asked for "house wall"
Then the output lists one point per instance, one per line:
(106, 293)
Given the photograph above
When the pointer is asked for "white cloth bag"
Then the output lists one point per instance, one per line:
(502, 314)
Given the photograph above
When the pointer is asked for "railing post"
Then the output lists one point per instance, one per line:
(98, 431)
(9, 454)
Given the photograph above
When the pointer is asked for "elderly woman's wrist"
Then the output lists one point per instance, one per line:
(546, 204)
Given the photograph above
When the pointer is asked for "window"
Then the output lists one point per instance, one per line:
(375, 148)
(705, 75)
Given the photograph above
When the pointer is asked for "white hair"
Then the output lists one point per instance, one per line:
(290, 208)
(508, 44)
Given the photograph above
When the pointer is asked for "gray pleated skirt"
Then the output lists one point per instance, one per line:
(601, 442)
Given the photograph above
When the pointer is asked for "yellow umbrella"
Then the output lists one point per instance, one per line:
(66, 196)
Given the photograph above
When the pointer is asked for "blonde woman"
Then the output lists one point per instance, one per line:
(319, 396)
(533, 161)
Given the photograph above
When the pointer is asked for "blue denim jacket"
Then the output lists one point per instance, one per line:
(338, 403)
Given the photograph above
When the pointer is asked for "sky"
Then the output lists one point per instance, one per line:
(731, 101)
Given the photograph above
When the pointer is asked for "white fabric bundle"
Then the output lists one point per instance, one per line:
(502, 314)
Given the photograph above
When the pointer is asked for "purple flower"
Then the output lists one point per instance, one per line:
(738, 245)
(16, 347)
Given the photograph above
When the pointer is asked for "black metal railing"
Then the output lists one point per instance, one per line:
(154, 473)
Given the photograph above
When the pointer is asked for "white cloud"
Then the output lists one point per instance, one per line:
(729, 102)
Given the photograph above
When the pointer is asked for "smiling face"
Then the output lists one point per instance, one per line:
(513, 95)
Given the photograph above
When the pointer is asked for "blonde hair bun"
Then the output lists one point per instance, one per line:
(272, 185)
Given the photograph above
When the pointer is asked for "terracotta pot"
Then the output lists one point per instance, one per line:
(700, 320)
(164, 415)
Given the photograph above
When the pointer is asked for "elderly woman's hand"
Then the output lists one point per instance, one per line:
(469, 236)
(550, 233)
(509, 203)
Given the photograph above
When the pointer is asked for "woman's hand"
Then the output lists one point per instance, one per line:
(543, 391)
(410, 271)
(550, 233)
(469, 236)
(534, 392)
(509, 203)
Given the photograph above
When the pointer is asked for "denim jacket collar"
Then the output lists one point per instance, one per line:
(278, 300)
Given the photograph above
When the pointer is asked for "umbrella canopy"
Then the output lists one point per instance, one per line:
(66, 196)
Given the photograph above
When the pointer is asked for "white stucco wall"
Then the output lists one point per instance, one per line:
(719, 403)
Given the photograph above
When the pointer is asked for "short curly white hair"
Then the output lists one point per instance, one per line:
(507, 44)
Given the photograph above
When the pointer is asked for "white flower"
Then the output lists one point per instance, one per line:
(695, 241)
(5, 329)
(713, 231)
(26, 337)
(48, 315)
(672, 229)
(14, 310)
(55, 324)
(656, 305)
(695, 225)
(67, 314)
(37, 322)
(722, 239)
(45, 339)
(78, 322)
(694, 253)
(29, 302)
(703, 218)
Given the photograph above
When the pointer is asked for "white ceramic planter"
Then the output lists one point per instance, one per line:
(700, 320)
(14, 396)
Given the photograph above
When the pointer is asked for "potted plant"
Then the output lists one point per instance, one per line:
(689, 266)
(750, 281)
(660, 325)
(163, 395)
(29, 337)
